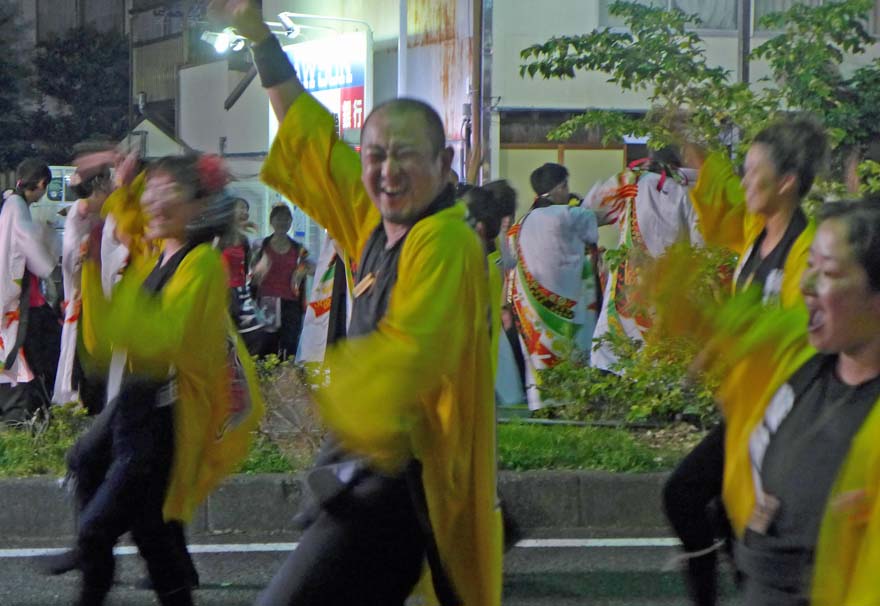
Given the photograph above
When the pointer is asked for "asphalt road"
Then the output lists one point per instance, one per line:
(534, 576)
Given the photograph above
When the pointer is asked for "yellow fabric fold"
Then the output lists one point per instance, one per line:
(321, 175)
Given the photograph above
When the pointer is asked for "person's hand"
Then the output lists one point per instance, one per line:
(261, 268)
(242, 15)
(693, 155)
(89, 165)
(126, 169)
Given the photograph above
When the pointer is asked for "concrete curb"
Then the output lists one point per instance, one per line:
(586, 502)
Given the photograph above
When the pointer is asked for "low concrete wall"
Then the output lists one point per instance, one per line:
(545, 501)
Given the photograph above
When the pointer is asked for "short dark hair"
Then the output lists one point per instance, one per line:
(433, 123)
(483, 209)
(862, 221)
(31, 172)
(279, 209)
(664, 158)
(546, 177)
(504, 195)
(798, 145)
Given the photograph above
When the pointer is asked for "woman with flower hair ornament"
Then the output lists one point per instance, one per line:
(183, 415)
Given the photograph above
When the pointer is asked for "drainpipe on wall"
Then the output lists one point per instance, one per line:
(491, 123)
(402, 44)
(476, 159)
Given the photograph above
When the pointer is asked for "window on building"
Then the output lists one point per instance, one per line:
(156, 23)
(715, 15)
(765, 7)
(760, 8)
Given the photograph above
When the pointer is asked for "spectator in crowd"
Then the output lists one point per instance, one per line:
(280, 269)
(236, 252)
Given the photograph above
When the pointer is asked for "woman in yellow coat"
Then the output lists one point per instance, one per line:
(183, 415)
(801, 387)
(760, 218)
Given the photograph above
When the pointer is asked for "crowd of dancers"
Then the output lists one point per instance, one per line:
(423, 307)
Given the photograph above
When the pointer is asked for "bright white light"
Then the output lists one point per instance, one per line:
(221, 44)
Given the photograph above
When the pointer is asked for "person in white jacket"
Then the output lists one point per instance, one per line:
(650, 205)
(25, 256)
(551, 304)
(83, 217)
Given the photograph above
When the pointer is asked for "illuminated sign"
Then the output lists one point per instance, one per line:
(336, 71)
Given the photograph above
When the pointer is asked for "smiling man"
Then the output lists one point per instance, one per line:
(406, 483)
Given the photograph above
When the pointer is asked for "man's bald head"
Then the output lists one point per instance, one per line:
(431, 119)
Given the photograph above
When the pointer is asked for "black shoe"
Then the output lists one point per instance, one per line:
(60, 563)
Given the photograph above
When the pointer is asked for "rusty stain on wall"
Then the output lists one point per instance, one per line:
(431, 21)
(455, 57)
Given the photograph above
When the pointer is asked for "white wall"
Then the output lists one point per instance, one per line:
(247, 122)
(158, 144)
(202, 119)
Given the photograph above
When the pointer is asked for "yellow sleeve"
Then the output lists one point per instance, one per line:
(720, 203)
(795, 266)
(378, 380)
(124, 203)
(153, 327)
(321, 175)
(848, 548)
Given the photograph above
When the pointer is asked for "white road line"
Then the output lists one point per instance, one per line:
(556, 543)
(274, 547)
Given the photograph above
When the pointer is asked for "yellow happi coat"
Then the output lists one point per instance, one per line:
(420, 385)
(724, 220)
(185, 326)
(756, 349)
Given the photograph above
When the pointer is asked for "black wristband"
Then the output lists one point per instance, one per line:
(272, 62)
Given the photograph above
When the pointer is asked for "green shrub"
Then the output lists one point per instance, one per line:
(523, 446)
(38, 447)
(654, 386)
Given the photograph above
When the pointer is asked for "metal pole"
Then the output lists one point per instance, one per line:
(402, 44)
(744, 39)
(476, 158)
(130, 75)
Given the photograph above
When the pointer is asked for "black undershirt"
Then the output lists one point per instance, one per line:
(805, 454)
(756, 269)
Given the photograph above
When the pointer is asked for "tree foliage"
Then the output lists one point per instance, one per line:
(86, 73)
(13, 76)
(659, 52)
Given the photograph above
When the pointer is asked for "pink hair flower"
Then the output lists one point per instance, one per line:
(213, 175)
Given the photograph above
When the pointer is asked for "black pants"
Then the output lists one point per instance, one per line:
(692, 501)
(291, 328)
(367, 552)
(122, 465)
(19, 403)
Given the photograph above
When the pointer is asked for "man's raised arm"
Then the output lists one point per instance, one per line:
(276, 72)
